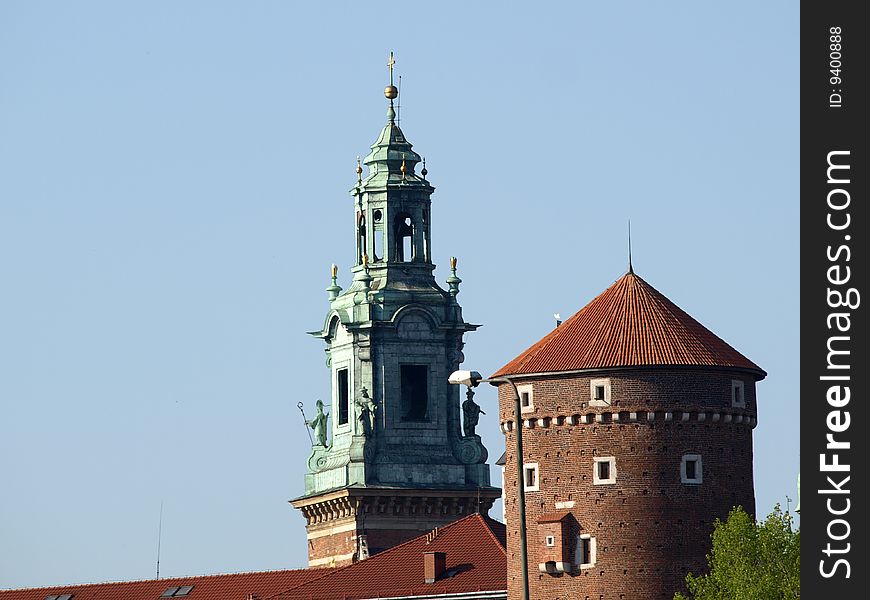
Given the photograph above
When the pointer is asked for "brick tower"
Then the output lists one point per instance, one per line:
(391, 460)
(637, 435)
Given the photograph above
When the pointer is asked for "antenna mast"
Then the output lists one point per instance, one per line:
(159, 535)
(399, 104)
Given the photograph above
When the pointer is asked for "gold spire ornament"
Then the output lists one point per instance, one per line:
(402, 168)
(453, 262)
(334, 271)
(358, 169)
(390, 91)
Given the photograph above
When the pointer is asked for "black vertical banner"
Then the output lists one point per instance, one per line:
(835, 368)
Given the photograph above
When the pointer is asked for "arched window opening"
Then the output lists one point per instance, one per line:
(404, 229)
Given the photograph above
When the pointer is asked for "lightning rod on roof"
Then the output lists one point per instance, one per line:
(630, 268)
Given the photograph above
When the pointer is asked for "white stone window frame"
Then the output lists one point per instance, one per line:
(604, 459)
(699, 469)
(600, 382)
(527, 388)
(550, 541)
(586, 538)
(737, 384)
(531, 467)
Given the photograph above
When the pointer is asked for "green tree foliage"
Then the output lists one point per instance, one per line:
(750, 561)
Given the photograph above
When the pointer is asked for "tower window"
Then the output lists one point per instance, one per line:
(527, 398)
(415, 392)
(691, 471)
(737, 397)
(551, 540)
(530, 477)
(404, 229)
(378, 239)
(343, 385)
(599, 392)
(426, 255)
(604, 470)
(361, 226)
(377, 235)
(585, 556)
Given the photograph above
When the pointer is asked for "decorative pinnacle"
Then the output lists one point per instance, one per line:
(630, 268)
(358, 170)
(453, 281)
(424, 172)
(334, 289)
(402, 168)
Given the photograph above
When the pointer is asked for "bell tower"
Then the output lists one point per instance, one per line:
(396, 461)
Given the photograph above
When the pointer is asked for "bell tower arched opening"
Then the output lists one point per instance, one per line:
(403, 230)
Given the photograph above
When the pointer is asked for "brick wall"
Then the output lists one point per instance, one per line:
(650, 528)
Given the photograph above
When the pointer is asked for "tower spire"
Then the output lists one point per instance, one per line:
(390, 91)
(392, 308)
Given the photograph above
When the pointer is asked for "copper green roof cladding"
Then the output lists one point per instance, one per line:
(386, 157)
(629, 324)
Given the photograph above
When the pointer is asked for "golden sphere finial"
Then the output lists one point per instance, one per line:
(391, 92)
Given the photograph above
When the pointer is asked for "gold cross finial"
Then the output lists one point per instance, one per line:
(390, 64)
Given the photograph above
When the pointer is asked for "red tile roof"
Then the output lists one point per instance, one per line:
(554, 517)
(629, 324)
(476, 561)
(234, 586)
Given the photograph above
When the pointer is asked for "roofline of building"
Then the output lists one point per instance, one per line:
(458, 491)
(759, 374)
(493, 595)
(72, 586)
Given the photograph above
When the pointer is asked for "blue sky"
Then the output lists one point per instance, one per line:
(174, 188)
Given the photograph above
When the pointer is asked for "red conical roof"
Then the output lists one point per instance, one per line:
(629, 324)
